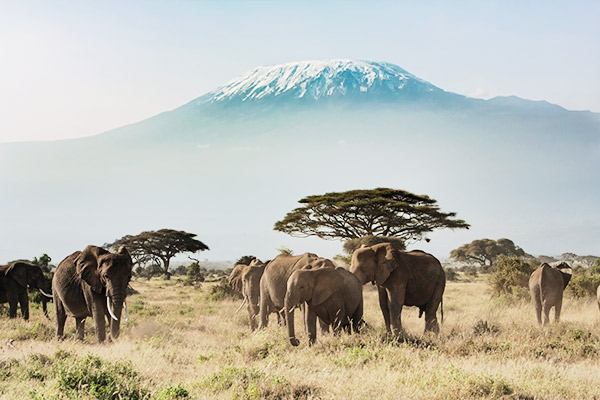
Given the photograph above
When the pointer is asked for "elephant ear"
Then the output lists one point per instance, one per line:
(384, 254)
(321, 292)
(87, 267)
(18, 272)
(566, 273)
(235, 278)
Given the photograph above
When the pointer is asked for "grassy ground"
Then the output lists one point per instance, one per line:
(179, 344)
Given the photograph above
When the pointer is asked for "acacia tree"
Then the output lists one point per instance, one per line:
(158, 247)
(485, 251)
(358, 213)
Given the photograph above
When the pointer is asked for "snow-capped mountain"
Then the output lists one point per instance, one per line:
(318, 80)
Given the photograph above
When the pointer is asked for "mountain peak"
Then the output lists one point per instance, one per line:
(322, 79)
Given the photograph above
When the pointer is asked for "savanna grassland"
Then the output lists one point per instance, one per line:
(181, 342)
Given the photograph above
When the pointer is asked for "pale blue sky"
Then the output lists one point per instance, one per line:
(71, 69)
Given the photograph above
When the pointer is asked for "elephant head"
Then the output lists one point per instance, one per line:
(303, 286)
(373, 263)
(566, 272)
(107, 274)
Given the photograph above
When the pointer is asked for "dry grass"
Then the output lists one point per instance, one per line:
(178, 344)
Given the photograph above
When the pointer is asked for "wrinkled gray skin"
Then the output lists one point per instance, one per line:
(546, 285)
(332, 295)
(246, 279)
(273, 284)
(403, 278)
(14, 280)
(81, 284)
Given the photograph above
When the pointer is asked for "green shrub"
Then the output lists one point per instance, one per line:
(510, 272)
(584, 284)
(451, 274)
(173, 393)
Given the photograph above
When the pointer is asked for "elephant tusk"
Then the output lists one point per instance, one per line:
(241, 305)
(46, 294)
(126, 311)
(110, 311)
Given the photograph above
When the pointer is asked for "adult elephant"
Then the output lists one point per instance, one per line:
(15, 278)
(546, 285)
(403, 278)
(92, 283)
(273, 284)
(332, 295)
(246, 280)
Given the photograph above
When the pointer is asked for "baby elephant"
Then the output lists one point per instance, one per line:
(546, 285)
(333, 295)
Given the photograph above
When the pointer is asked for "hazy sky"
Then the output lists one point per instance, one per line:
(71, 69)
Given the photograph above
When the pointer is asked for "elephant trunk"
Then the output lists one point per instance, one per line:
(115, 307)
(289, 306)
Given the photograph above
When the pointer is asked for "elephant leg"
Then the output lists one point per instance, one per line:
(324, 326)
(385, 310)
(24, 302)
(12, 308)
(80, 327)
(311, 322)
(546, 309)
(61, 317)
(396, 301)
(99, 320)
(431, 322)
(264, 311)
(557, 309)
(535, 298)
(356, 318)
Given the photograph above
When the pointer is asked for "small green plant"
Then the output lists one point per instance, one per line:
(483, 327)
(173, 393)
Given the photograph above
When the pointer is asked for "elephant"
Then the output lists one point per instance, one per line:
(14, 280)
(92, 283)
(273, 284)
(546, 285)
(332, 295)
(403, 278)
(246, 279)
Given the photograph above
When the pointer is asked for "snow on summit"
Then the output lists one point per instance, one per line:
(321, 79)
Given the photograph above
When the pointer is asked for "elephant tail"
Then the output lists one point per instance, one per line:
(442, 309)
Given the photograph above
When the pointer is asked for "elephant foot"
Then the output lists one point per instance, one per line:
(294, 342)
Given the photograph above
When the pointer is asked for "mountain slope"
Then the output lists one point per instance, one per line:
(228, 164)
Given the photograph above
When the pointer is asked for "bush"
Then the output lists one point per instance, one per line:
(510, 272)
(353, 244)
(195, 273)
(451, 274)
(584, 284)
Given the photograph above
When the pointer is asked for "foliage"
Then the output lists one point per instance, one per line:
(584, 282)
(44, 262)
(285, 251)
(451, 274)
(358, 213)
(370, 240)
(158, 247)
(510, 272)
(173, 393)
(485, 251)
(195, 273)
(245, 260)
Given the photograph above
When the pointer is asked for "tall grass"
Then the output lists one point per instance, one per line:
(181, 343)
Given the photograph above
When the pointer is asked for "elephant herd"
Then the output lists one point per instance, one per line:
(93, 283)
(334, 295)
